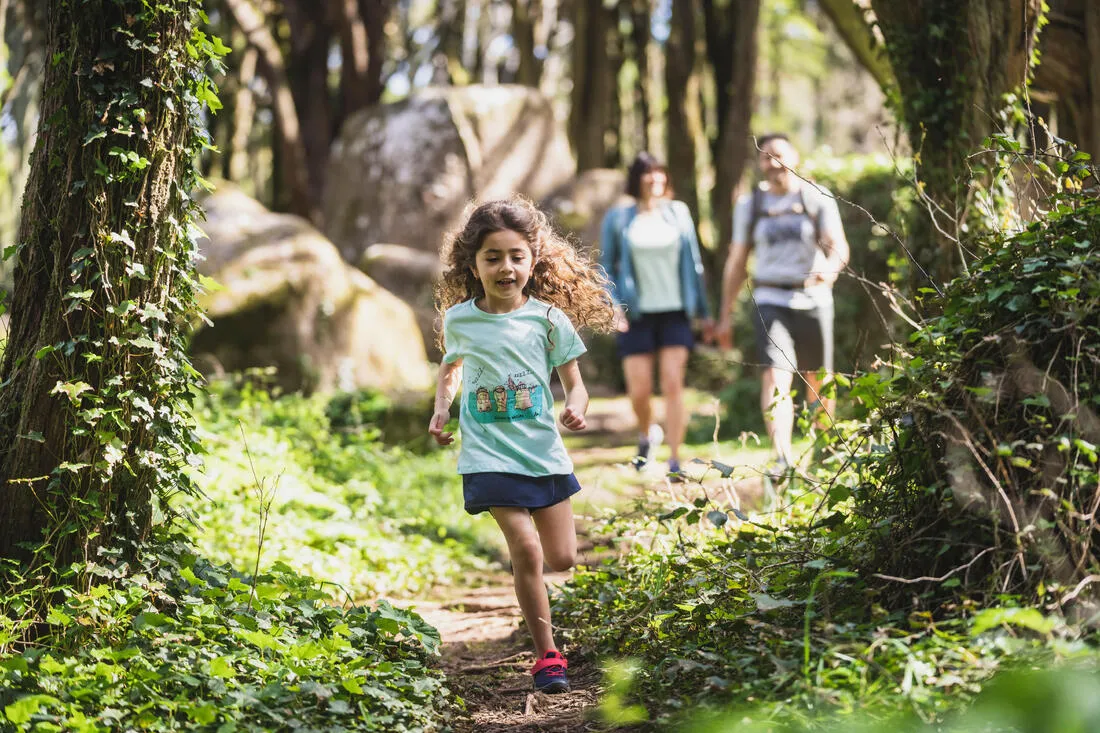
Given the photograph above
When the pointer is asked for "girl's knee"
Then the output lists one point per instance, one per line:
(526, 554)
(561, 560)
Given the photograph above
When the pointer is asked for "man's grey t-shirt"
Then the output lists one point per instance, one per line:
(785, 245)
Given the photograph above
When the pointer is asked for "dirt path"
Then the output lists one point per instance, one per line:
(487, 657)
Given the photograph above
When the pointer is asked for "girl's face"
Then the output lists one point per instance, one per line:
(503, 265)
(654, 184)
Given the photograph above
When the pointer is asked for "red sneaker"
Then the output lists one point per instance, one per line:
(549, 673)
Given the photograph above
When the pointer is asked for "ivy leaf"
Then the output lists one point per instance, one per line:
(717, 518)
(22, 710)
(764, 602)
(72, 390)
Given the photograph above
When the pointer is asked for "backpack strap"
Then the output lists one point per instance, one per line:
(815, 216)
(754, 214)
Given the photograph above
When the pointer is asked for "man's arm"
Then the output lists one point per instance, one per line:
(733, 278)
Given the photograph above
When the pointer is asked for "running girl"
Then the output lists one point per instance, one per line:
(509, 299)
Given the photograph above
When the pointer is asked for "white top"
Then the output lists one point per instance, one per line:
(655, 249)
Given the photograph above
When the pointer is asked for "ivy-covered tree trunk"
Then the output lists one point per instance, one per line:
(954, 62)
(93, 426)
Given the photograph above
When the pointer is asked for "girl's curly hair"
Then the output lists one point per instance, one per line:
(561, 276)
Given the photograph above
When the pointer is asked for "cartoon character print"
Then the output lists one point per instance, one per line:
(483, 402)
(509, 402)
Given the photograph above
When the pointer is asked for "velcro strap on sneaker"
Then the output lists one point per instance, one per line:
(549, 662)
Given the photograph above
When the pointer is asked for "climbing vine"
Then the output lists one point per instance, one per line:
(95, 379)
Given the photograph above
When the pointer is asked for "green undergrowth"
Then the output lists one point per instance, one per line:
(707, 607)
(338, 505)
(178, 643)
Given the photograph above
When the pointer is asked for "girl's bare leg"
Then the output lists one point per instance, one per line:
(526, 551)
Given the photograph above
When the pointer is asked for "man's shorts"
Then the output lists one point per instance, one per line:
(794, 340)
(655, 331)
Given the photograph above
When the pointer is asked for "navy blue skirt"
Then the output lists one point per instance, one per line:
(483, 491)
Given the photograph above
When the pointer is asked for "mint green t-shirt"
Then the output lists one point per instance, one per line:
(506, 416)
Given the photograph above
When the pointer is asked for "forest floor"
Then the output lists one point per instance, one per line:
(486, 650)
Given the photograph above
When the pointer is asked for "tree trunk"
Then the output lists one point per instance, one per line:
(593, 86)
(732, 47)
(450, 30)
(682, 89)
(641, 13)
(294, 184)
(244, 114)
(953, 62)
(354, 56)
(850, 22)
(1091, 141)
(311, 36)
(95, 372)
(524, 15)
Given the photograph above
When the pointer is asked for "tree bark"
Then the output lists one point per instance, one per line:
(732, 47)
(641, 13)
(244, 113)
(593, 85)
(311, 37)
(354, 56)
(1091, 143)
(849, 19)
(953, 62)
(294, 180)
(103, 235)
(524, 15)
(682, 90)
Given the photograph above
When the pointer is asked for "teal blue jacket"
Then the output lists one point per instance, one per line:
(616, 259)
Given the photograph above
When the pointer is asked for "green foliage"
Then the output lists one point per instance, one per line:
(346, 508)
(714, 608)
(987, 424)
(1059, 701)
(179, 643)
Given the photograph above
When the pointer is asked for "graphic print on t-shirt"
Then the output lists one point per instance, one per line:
(509, 401)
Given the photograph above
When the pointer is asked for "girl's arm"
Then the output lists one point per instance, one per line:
(450, 375)
(576, 396)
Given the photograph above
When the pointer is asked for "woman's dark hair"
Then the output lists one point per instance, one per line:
(644, 163)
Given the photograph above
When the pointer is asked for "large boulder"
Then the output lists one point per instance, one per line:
(403, 173)
(410, 274)
(287, 299)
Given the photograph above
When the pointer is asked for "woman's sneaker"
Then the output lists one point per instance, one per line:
(549, 673)
(647, 445)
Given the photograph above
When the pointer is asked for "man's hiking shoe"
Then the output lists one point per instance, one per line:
(647, 445)
(549, 673)
(675, 475)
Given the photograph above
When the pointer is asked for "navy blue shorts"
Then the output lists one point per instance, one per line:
(482, 491)
(655, 331)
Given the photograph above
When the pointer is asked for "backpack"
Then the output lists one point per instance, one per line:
(756, 211)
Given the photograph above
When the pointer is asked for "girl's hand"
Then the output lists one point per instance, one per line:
(435, 427)
(573, 418)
